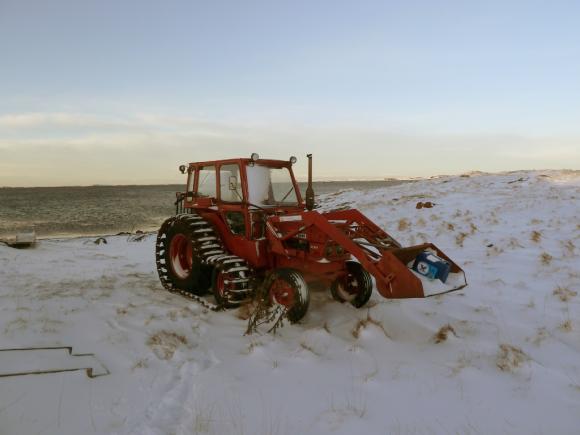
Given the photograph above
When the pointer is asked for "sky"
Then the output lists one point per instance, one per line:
(123, 92)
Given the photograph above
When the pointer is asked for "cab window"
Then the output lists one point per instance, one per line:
(230, 183)
(206, 185)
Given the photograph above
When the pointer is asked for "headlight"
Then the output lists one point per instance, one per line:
(293, 160)
(254, 157)
(182, 169)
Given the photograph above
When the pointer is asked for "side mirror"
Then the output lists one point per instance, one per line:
(233, 182)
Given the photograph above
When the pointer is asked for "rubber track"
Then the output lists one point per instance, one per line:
(207, 246)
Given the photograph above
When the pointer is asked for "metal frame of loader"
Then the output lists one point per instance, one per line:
(379, 253)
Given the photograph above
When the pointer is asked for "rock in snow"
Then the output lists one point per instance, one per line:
(501, 356)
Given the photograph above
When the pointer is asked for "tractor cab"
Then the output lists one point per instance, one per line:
(253, 183)
(238, 195)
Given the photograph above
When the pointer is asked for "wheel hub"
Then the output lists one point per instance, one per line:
(282, 293)
(181, 255)
(349, 288)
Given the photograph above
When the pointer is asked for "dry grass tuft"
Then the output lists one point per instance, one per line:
(569, 247)
(165, 343)
(420, 222)
(443, 333)
(536, 236)
(493, 250)
(460, 238)
(546, 259)
(463, 362)
(541, 335)
(15, 325)
(404, 224)
(121, 311)
(514, 243)
(364, 323)
(450, 226)
(510, 358)
(564, 293)
(566, 326)
(472, 228)
(140, 364)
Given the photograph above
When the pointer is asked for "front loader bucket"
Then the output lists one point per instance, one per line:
(401, 281)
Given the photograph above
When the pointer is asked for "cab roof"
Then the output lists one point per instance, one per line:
(245, 161)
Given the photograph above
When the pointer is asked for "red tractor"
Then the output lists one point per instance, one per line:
(242, 220)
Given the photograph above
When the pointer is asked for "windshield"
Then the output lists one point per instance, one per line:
(270, 186)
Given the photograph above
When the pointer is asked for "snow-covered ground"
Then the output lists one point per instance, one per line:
(501, 356)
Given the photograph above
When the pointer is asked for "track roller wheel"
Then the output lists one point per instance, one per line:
(289, 289)
(231, 281)
(356, 286)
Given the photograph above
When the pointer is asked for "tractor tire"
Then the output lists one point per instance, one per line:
(179, 252)
(288, 288)
(355, 287)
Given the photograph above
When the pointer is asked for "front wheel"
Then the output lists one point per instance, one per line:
(289, 289)
(355, 287)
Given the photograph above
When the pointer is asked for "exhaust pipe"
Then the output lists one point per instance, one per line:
(309, 189)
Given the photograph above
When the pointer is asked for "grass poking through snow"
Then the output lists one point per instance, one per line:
(546, 259)
(564, 293)
(165, 343)
(460, 238)
(364, 323)
(404, 224)
(566, 326)
(536, 236)
(441, 335)
(510, 358)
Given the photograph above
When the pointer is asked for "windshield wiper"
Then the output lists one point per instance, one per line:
(286, 196)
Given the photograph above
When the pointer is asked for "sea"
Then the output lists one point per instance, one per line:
(63, 212)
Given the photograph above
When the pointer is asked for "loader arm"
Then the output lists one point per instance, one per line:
(384, 268)
(379, 253)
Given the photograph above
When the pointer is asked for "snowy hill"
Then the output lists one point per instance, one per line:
(500, 356)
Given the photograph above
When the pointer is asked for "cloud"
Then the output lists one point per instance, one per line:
(34, 120)
(547, 152)
(147, 146)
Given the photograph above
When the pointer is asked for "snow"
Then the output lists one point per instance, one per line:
(500, 356)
